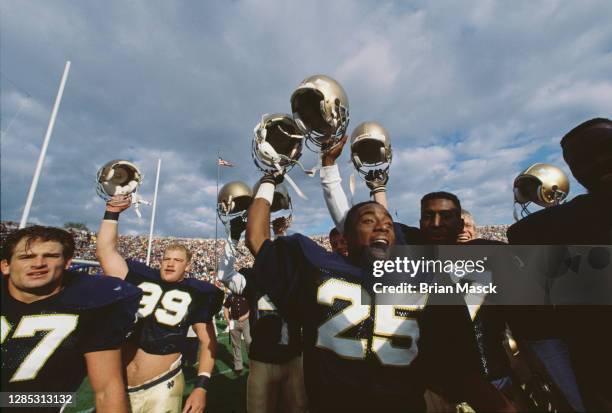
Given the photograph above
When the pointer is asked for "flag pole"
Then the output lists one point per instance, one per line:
(153, 212)
(217, 215)
(43, 150)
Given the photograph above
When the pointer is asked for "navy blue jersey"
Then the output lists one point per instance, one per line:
(275, 339)
(359, 355)
(43, 342)
(168, 309)
(585, 220)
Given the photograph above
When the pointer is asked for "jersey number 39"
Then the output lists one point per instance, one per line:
(389, 322)
(174, 303)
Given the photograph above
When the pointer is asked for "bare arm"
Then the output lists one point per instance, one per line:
(196, 402)
(376, 181)
(111, 261)
(208, 346)
(226, 314)
(381, 198)
(106, 377)
(258, 225)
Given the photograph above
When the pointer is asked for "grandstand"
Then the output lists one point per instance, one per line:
(203, 249)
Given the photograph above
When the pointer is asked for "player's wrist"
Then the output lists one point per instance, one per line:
(376, 190)
(328, 160)
(266, 191)
(203, 381)
(111, 215)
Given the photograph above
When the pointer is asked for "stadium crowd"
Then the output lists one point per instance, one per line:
(203, 267)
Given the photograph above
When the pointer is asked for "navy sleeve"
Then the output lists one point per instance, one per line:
(448, 345)
(139, 272)
(108, 327)
(208, 304)
(278, 272)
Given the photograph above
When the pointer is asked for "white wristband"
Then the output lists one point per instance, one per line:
(266, 191)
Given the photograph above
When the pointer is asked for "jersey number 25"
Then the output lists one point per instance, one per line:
(389, 322)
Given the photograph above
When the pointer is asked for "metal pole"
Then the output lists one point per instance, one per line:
(43, 150)
(217, 215)
(153, 212)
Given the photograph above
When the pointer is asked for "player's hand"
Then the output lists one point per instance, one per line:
(119, 203)
(274, 178)
(377, 180)
(330, 154)
(280, 225)
(196, 402)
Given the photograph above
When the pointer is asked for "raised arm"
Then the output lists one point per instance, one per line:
(111, 261)
(335, 198)
(231, 278)
(376, 181)
(258, 222)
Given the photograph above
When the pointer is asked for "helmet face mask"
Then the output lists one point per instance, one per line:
(117, 177)
(321, 110)
(370, 148)
(233, 200)
(277, 143)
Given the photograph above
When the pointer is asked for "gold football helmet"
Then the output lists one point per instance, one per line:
(542, 184)
(234, 199)
(277, 143)
(117, 177)
(320, 109)
(370, 148)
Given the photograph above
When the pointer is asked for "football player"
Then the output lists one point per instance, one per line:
(276, 376)
(442, 223)
(585, 220)
(359, 356)
(170, 304)
(57, 325)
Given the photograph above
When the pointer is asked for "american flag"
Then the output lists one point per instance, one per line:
(223, 162)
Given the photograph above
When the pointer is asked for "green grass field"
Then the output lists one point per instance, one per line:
(227, 391)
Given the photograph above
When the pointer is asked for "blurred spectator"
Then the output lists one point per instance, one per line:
(203, 250)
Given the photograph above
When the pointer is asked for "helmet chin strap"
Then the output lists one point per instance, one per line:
(291, 182)
(136, 201)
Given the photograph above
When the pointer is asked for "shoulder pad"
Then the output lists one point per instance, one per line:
(93, 291)
(407, 235)
(318, 257)
(200, 286)
(143, 270)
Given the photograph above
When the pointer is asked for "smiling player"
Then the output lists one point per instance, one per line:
(171, 303)
(360, 356)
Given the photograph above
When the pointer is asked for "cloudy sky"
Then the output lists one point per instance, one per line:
(471, 93)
